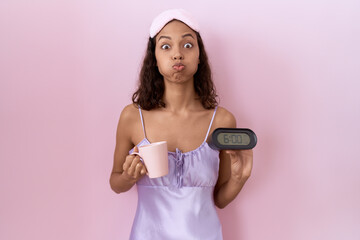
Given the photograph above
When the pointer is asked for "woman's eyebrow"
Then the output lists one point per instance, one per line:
(183, 36)
(188, 35)
(164, 37)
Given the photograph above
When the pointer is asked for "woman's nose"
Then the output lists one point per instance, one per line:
(178, 55)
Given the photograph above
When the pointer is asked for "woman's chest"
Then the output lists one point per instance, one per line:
(185, 134)
(198, 168)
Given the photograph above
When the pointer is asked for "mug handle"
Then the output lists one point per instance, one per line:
(135, 153)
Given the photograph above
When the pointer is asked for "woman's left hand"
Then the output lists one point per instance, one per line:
(241, 164)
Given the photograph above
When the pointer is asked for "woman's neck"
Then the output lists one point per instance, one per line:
(180, 97)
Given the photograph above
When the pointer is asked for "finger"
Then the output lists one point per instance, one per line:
(233, 156)
(127, 162)
(136, 149)
(230, 151)
(132, 167)
(143, 170)
(138, 169)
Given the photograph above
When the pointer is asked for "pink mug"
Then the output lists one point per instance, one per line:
(155, 158)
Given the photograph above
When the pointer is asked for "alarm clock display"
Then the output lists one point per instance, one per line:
(232, 139)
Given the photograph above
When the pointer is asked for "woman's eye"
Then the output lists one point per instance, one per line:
(165, 46)
(188, 45)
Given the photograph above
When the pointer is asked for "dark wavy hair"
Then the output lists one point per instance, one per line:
(149, 94)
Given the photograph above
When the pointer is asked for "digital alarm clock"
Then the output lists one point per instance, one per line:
(232, 139)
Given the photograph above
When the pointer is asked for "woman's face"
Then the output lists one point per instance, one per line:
(177, 52)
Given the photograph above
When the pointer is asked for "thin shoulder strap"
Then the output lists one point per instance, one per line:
(212, 119)
(142, 121)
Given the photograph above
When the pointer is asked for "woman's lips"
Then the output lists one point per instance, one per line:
(178, 66)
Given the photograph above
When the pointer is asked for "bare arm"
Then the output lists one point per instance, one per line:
(127, 169)
(235, 168)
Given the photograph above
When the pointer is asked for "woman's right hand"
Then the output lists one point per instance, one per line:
(133, 168)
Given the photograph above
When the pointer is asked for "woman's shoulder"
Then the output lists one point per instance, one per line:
(224, 118)
(129, 114)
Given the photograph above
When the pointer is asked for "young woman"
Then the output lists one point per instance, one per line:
(176, 102)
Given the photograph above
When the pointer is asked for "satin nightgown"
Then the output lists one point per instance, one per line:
(180, 205)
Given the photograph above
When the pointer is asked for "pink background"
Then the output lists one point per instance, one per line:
(289, 71)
